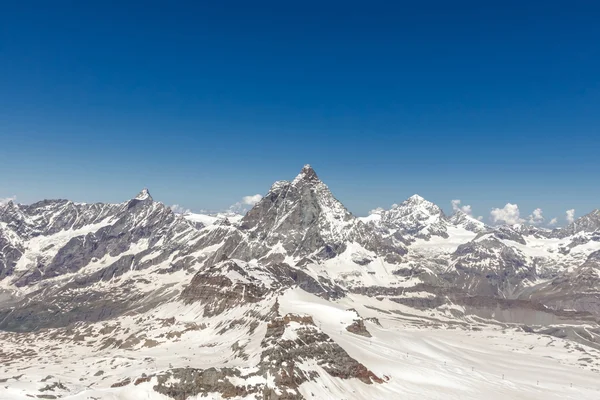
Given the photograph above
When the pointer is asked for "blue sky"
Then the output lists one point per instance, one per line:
(204, 104)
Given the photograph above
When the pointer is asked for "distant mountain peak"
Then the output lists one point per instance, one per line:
(144, 195)
(470, 223)
(306, 174)
(415, 198)
(416, 203)
(9, 204)
(587, 223)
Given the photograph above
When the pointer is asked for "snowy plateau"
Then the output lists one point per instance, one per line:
(296, 299)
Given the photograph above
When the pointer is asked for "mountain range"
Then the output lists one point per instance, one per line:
(296, 299)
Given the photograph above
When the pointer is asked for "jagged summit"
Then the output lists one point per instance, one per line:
(415, 204)
(7, 205)
(144, 195)
(415, 198)
(295, 206)
(464, 220)
(302, 218)
(306, 174)
(415, 217)
(587, 223)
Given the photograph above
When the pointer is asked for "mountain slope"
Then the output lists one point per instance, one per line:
(297, 299)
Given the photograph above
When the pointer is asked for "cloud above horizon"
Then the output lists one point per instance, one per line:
(247, 202)
(536, 217)
(251, 200)
(177, 209)
(570, 215)
(377, 210)
(5, 200)
(456, 206)
(509, 214)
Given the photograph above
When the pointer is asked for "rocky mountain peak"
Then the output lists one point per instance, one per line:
(307, 174)
(587, 223)
(460, 215)
(9, 203)
(303, 201)
(415, 217)
(415, 204)
(302, 218)
(144, 195)
(415, 198)
(462, 219)
(7, 207)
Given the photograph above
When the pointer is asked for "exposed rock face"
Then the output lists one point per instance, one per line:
(11, 250)
(486, 266)
(51, 216)
(224, 286)
(302, 218)
(576, 290)
(294, 351)
(72, 262)
(413, 218)
(358, 328)
(120, 228)
(230, 283)
(461, 219)
(507, 233)
(65, 265)
(417, 218)
(52, 241)
(305, 342)
(587, 223)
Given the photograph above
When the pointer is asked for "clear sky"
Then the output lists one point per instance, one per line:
(487, 102)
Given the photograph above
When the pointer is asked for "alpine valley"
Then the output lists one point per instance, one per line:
(296, 299)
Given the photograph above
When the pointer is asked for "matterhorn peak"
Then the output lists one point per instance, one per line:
(306, 174)
(144, 195)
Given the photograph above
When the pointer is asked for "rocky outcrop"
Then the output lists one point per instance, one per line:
(224, 286)
(11, 250)
(576, 290)
(463, 220)
(358, 328)
(487, 266)
(292, 343)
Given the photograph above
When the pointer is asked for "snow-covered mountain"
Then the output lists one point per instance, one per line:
(296, 299)
(462, 220)
(203, 220)
(417, 218)
(589, 223)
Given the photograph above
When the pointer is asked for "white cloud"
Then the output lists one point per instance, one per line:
(553, 222)
(536, 217)
(377, 210)
(509, 215)
(247, 202)
(251, 200)
(457, 207)
(177, 209)
(5, 200)
(570, 215)
(480, 217)
(240, 207)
